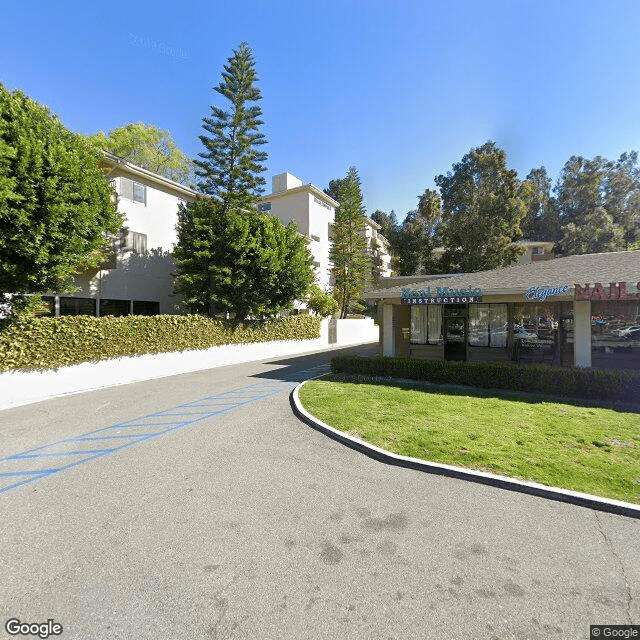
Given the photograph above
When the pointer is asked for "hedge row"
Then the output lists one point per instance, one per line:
(596, 384)
(42, 343)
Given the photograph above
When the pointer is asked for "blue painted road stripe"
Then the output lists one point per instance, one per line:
(211, 406)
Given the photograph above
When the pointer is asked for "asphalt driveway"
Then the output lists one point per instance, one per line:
(200, 507)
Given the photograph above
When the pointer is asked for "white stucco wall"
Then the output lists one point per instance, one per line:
(24, 387)
(157, 219)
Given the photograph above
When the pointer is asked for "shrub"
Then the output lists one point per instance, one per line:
(321, 303)
(38, 343)
(597, 384)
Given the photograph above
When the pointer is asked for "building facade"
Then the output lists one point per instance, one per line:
(137, 278)
(377, 246)
(574, 311)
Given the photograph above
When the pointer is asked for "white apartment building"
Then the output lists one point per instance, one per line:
(138, 276)
(314, 213)
(377, 245)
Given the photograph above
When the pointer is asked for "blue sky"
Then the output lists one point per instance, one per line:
(402, 90)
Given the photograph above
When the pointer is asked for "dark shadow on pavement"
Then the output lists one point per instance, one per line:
(312, 365)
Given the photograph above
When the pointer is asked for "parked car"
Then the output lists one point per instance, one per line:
(628, 332)
(520, 333)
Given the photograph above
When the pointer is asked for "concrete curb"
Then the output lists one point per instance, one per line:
(502, 482)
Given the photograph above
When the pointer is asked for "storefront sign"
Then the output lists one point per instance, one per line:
(441, 295)
(617, 291)
(542, 293)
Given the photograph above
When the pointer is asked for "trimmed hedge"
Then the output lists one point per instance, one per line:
(596, 384)
(41, 343)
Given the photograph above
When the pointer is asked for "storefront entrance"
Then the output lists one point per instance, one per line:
(455, 332)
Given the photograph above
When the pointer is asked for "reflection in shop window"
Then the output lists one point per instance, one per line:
(615, 334)
(488, 325)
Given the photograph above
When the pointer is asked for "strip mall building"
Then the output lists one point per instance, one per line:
(579, 310)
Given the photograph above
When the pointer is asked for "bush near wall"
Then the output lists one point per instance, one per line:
(42, 343)
(596, 384)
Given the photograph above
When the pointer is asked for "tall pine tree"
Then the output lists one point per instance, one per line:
(230, 166)
(229, 257)
(349, 256)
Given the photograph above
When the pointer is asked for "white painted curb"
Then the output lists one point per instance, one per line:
(532, 488)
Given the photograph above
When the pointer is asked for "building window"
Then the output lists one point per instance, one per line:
(77, 306)
(426, 324)
(615, 334)
(264, 207)
(114, 307)
(133, 191)
(146, 308)
(538, 251)
(133, 241)
(488, 325)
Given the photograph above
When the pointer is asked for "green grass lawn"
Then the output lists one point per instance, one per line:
(583, 448)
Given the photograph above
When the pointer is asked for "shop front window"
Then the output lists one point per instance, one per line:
(543, 332)
(615, 334)
(488, 325)
(426, 324)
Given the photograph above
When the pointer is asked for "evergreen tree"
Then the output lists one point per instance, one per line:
(244, 263)
(351, 266)
(482, 209)
(410, 241)
(430, 216)
(55, 204)
(229, 257)
(541, 221)
(598, 204)
(231, 164)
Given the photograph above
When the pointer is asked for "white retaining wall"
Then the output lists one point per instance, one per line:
(24, 387)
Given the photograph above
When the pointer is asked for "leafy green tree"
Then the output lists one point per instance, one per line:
(230, 258)
(321, 303)
(430, 215)
(149, 147)
(541, 220)
(230, 166)
(55, 204)
(622, 196)
(410, 245)
(390, 229)
(242, 263)
(599, 203)
(481, 211)
(351, 264)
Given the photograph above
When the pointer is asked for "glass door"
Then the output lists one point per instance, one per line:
(455, 338)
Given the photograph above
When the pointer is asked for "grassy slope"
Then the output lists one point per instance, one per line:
(585, 449)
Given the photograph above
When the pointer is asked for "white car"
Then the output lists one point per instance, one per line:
(520, 333)
(627, 332)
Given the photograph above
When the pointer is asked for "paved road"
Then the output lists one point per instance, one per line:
(235, 520)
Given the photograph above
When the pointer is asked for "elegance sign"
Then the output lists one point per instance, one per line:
(441, 295)
(617, 291)
(542, 293)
